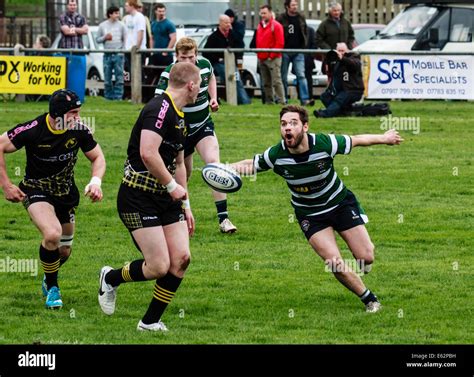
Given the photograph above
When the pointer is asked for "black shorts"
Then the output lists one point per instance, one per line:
(194, 138)
(64, 206)
(138, 209)
(347, 215)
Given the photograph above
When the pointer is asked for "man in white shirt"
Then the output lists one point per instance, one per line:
(135, 24)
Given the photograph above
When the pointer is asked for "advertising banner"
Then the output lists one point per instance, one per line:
(32, 74)
(419, 77)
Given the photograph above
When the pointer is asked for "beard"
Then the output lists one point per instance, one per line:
(294, 141)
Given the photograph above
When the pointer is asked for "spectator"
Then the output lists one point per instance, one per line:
(346, 85)
(269, 34)
(238, 34)
(334, 29)
(42, 41)
(112, 33)
(135, 23)
(164, 36)
(149, 35)
(73, 26)
(309, 62)
(294, 26)
(223, 38)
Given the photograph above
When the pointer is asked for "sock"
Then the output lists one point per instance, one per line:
(131, 272)
(221, 207)
(163, 293)
(367, 297)
(50, 262)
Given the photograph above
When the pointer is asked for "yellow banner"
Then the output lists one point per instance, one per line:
(32, 74)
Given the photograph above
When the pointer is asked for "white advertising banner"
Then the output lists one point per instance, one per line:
(420, 77)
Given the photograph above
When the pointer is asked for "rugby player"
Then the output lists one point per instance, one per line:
(153, 202)
(48, 190)
(201, 135)
(322, 203)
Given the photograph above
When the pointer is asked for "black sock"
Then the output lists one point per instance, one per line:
(367, 297)
(163, 293)
(221, 207)
(128, 273)
(50, 262)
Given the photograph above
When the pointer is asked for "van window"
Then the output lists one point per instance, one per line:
(442, 25)
(462, 21)
(409, 23)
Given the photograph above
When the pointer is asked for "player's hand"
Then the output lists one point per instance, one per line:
(108, 37)
(179, 193)
(214, 105)
(94, 192)
(392, 137)
(190, 221)
(13, 193)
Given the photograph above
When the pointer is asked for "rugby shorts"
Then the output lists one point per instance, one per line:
(348, 214)
(65, 206)
(139, 209)
(194, 137)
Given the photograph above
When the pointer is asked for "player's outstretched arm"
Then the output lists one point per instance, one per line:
(97, 159)
(244, 167)
(390, 137)
(181, 179)
(12, 193)
(149, 145)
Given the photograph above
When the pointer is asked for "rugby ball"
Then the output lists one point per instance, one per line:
(221, 178)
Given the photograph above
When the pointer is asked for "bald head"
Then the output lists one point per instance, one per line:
(182, 73)
(225, 23)
(342, 48)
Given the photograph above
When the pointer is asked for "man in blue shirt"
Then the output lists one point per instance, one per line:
(164, 36)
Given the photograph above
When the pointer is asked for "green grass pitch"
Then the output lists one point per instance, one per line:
(264, 285)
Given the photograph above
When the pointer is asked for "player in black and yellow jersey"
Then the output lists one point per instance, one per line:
(48, 190)
(153, 201)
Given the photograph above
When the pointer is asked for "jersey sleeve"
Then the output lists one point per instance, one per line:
(22, 134)
(264, 161)
(335, 144)
(87, 141)
(163, 81)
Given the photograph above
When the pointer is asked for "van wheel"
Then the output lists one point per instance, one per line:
(94, 75)
(249, 83)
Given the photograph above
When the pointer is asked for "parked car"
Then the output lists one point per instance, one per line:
(94, 61)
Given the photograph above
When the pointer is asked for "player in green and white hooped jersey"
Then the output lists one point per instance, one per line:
(199, 124)
(321, 201)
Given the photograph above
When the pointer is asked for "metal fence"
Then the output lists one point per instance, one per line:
(229, 57)
(20, 30)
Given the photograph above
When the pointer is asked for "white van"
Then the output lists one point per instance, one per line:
(427, 25)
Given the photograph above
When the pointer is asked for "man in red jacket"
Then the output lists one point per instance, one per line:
(270, 35)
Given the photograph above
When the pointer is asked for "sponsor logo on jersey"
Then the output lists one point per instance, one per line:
(162, 114)
(44, 146)
(71, 143)
(20, 129)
